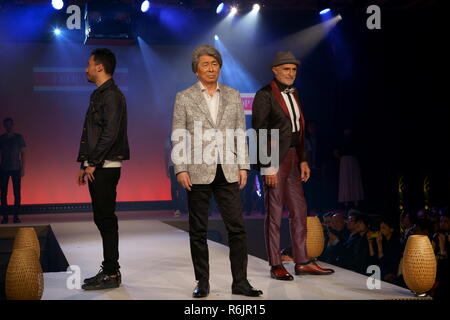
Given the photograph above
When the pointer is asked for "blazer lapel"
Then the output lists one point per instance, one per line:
(222, 105)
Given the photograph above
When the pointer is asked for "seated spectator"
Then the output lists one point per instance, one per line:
(337, 236)
(355, 254)
(338, 227)
(408, 221)
(423, 227)
(326, 223)
(441, 247)
(351, 221)
(386, 253)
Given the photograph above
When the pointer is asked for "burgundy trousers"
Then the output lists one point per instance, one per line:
(289, 192)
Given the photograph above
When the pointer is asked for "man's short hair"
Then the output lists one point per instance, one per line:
(8, 120)
(364, 219)
(205, 50)
(106, 58)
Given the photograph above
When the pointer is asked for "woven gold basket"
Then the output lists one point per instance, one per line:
(24, 278)
(419, 264)
(27, 238)
(314, 237)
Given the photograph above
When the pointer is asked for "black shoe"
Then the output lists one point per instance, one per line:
(103, 282)
(201, 290)
(5, 220)
(95, 278)
(245, 289)
(16, 219)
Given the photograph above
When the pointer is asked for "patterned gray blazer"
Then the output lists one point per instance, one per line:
(197, 155)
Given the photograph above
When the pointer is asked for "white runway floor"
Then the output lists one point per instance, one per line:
(155, 264)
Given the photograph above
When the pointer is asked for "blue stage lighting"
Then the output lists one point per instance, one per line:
(256, 7)
(57, 31)
(324, 11)
(145, 6)
(216, 37)
(220, 7)
(233, 11)
(58, 4)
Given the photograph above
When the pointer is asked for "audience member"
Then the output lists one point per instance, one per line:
(386, 253)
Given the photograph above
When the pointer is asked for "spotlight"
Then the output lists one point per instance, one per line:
(324, 11)
(57, 31)
(145, 6)
(57, 4)
(233, 11)
(339, 17)
(256, 7)
(220, 8)
(216, 37)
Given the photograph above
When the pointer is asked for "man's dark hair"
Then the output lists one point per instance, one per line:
(389, 222)
(8, 120)
(105, 57)
(363, 218)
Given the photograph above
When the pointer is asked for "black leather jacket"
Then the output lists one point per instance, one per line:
(104, 134)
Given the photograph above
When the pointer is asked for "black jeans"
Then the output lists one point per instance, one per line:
(229, 205)
(103, 195)
(4, 180)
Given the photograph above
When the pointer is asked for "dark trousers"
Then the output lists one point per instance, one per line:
(4, 180)
(229, 205)
(103, 195)
(289, 192)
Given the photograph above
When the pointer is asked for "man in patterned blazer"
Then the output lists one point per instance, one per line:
(208, 162)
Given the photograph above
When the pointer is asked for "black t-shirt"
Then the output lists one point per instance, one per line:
(10, 148)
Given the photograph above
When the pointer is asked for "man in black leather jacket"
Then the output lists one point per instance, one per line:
(103, 148)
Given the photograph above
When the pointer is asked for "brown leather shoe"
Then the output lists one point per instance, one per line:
(310, 268)
(280, 273)
(323, 269)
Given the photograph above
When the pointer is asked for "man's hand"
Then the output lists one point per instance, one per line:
(242, 179)
(90, 173)
(184, 180)
(380, 241)
(305, 171)
(271, 180)
(80, 177)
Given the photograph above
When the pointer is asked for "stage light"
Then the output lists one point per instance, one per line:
(256, 7)
(220, 7)
(58, 4)
(339, 17)
(233, 11)
(324, 11)
(145, 6)
(216, 37)
(57, 31)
